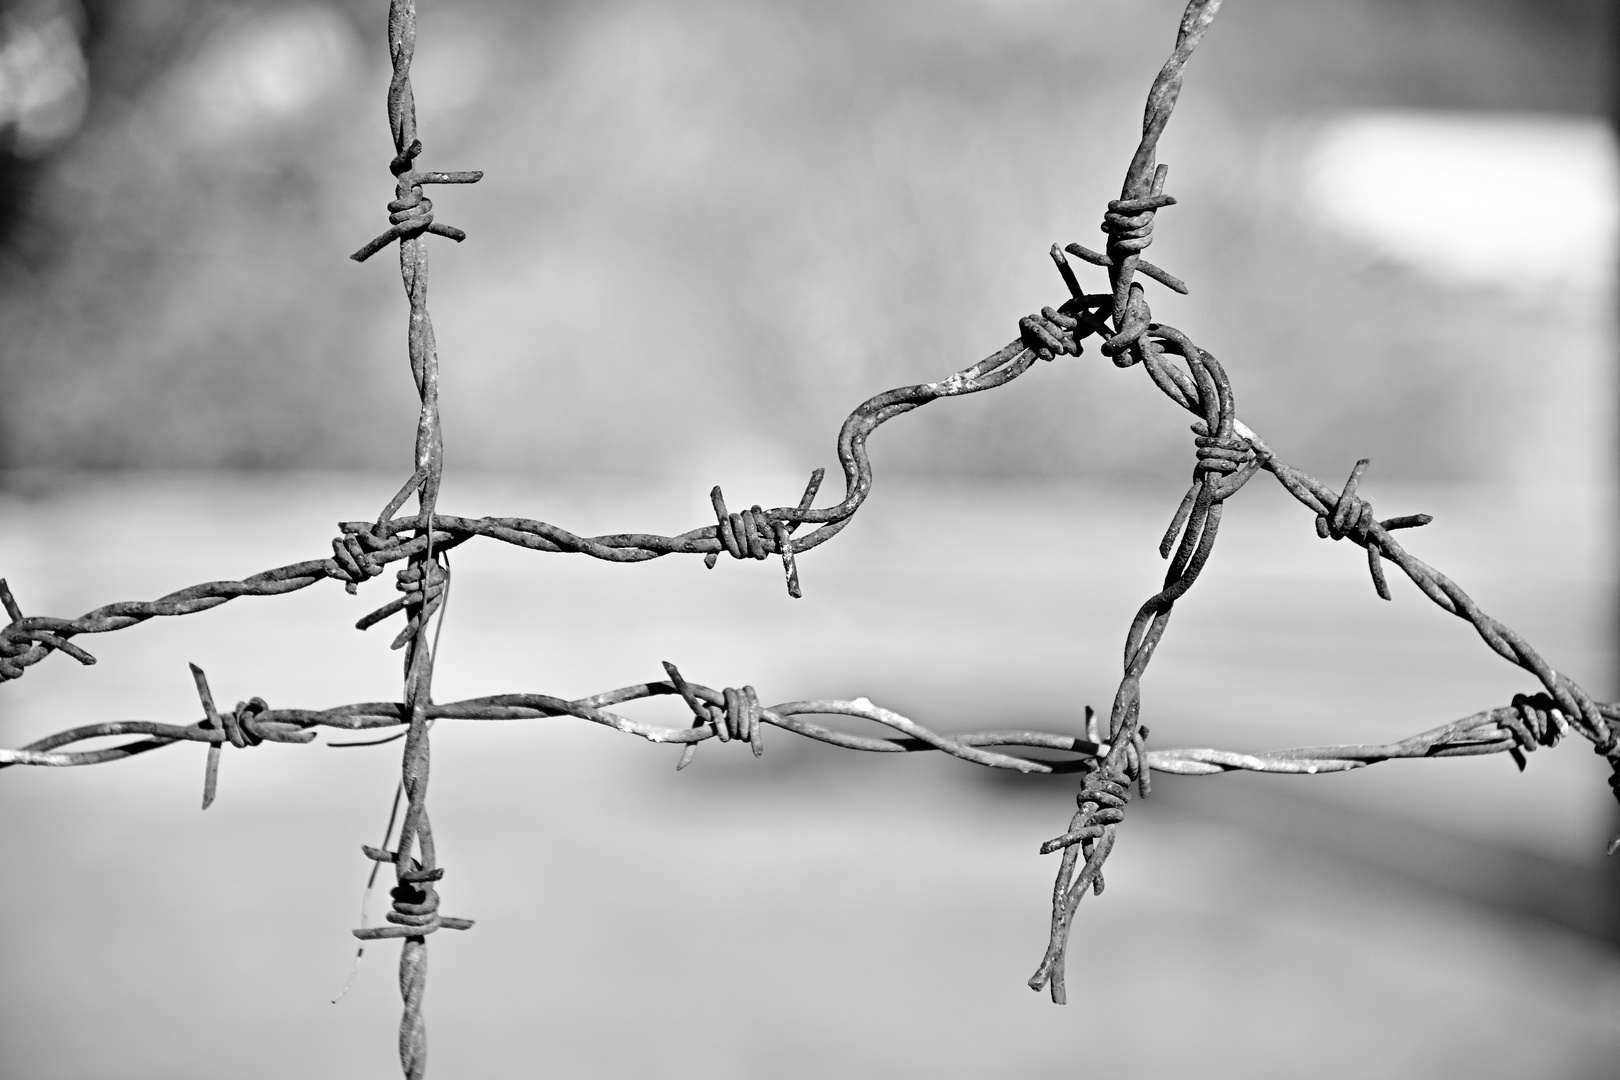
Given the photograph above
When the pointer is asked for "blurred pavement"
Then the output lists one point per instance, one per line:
(818, 912)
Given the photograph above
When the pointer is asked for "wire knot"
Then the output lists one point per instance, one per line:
(1100, 806)
(15, 642)
(415, 910)
(1108, 793)
(1136, 322)
(1101, 802)
(240, 727)
(241, 723)
(756, 532)
(1051, 333)
(1533, 720)
(1221, 454)
(414, 904)
(18, 641)
(1129, 222)
(1104, 794)
(12, 645)
(359, 556)
(1129, 227)
(748, 535)
(410, 214)
(1352, 516)
(737, 716)
(422, 587)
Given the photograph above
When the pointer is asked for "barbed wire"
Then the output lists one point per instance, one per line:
(364, 548)
(1227, 455)
(735, 714)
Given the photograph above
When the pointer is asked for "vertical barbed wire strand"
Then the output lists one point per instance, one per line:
(1101, 802)
(424, 356)
(424, 579)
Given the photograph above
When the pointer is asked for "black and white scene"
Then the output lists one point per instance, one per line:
(795, 539)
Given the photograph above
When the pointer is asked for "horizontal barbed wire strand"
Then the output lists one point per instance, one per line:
(1529, 722)
(365, 547)
(31, 638)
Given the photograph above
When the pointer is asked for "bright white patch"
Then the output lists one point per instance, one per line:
(44, 86)
(263, 69)
(1517, 201)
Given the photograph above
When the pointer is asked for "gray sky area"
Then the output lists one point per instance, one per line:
(708, 230)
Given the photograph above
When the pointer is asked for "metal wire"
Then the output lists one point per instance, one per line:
(1227, 455)
(1528, 722)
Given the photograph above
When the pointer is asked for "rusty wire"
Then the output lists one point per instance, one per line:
(735, 714)
(1227, 455)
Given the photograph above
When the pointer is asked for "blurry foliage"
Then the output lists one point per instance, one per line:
(710, 229)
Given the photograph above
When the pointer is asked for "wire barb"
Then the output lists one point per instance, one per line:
(410, 213)
(757, 533)
(730, 714)
(213, 721)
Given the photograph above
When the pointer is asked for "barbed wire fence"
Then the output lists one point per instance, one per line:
(1111, 763)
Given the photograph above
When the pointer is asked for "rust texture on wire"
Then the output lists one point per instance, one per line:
(1227, 455)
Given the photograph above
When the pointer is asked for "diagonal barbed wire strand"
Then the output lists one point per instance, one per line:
(1227, 455)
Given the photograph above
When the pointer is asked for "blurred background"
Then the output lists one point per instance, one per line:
(707, 231)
